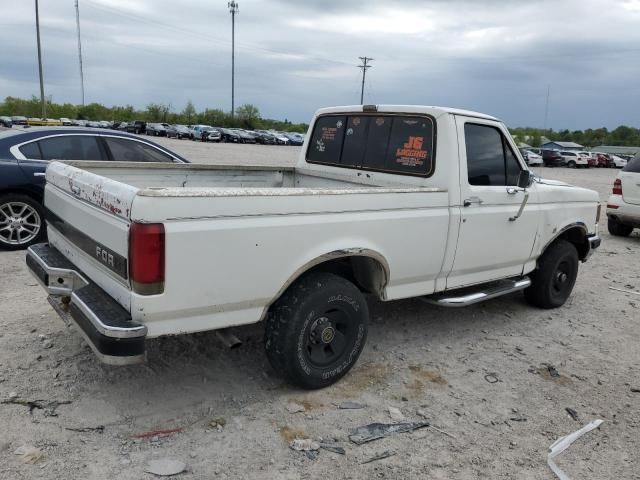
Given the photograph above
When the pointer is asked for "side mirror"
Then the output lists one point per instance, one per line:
(525, 179)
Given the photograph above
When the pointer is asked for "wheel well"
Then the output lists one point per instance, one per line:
(19, 191)
(577, 236)
(368, 274)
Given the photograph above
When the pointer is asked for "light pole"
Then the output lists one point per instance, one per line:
(42, 100)
(364, 68)
(80, 52)
(233, 8)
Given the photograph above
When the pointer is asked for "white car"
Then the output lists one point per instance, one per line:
(576, 159)
(619, 162)
(532, 158)
(137, 252)
(623, 205)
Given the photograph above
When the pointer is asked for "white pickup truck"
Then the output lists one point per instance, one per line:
(394, 201)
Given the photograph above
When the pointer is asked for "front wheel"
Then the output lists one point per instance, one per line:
(316, 331)
(571, 164)
(553, 280)
(21, 222)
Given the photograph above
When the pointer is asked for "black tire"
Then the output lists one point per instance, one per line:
(316, 331)
(571, 164)
(618, 229)
(555, 276)
(32, 215)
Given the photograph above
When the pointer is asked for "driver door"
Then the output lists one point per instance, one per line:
(490, 245)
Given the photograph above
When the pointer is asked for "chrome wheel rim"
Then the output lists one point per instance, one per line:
(19, 223)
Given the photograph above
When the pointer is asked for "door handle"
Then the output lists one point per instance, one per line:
(39, 174)
(468, 201)
(512, 190)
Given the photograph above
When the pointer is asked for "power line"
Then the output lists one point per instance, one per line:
(365, 66)
(42, 99)
(546, 107)
(233, 9)
(80, 52)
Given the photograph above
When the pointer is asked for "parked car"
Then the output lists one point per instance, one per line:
(156, 129)
(6, 122)
(44, 122)
(178, 131)
(575, 159)
(623, 205)
(19, 120)
(245, 137)
(105, 124)
(196, 131)
(264, 138)
(603, 160)
(213, 135)
(24, 156)
(552, 158)
(278, 244)
(66, 121)
(530, 157)
(230, 136)
(137, 126)
(295, 139)
(618, 162)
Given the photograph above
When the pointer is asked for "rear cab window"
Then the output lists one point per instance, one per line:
(392, 143)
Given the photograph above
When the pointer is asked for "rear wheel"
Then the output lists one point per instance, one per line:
(553, 280)
(21, 221)
(618, 229)
(571, 164)
(316, 331)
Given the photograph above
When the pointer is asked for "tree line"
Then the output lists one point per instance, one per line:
(622, 136)
(246, 116)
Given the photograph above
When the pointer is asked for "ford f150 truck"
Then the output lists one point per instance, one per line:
(393, 201)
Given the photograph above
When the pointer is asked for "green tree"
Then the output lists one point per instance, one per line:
(189, 112)
(248, 115)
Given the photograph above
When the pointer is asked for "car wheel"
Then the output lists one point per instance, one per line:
(21, 222)
(571, 164)
(553, 280)
(316, 331)
(618, 229)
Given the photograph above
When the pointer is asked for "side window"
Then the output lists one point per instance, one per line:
(125, 150)
(490, 160)
(31, 151)
(70, 147)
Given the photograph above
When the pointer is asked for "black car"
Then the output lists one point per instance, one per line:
(178, 131)
(230, 136)
(264, 138)
(156, 129)
(137, 126)
(24, 155)
(295, 139)
(245, 137)
(552, 158)
(6, 122)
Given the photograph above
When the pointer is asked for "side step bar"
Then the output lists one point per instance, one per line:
(462, 297)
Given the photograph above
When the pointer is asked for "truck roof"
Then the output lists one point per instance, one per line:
(432, 110)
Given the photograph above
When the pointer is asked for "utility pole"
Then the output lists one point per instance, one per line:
(364, 68)
(80, 52)
(546, 107)
(42, 100)
(233, 8)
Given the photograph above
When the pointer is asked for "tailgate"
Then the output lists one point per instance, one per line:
(88, 221)
(630, 187)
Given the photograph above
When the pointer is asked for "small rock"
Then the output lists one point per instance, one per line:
(421, 413)
(47, 344)
(29, 454)
(13, 395)
(304, 445)
(165, 467)
(293, 407)
(349, 405)
(395, 414)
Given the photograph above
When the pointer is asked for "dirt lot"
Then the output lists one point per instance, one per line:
(480, 374)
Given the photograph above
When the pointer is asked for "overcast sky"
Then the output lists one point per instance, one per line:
(292, 57)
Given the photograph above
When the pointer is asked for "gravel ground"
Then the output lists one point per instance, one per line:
(485, 376)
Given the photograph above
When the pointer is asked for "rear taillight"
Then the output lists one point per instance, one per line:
(146, 258)
(617, 187)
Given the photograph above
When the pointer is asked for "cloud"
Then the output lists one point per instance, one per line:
(294, 57)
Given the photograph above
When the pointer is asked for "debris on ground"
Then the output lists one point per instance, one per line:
(333, 447)
(349, 405)
(99, 429)
(29, 453)
(379, 456)
(395, 414)
(375, 431)
(304, 445)
(552, 371)
(624, 290)
(165, 467)
(294, 407)
(572, 413)
(49, 407)
(635, 389)
(218, 423)
(443, 432)
(491, 378)
(518, 418)
(157, 433)
(561, 444)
